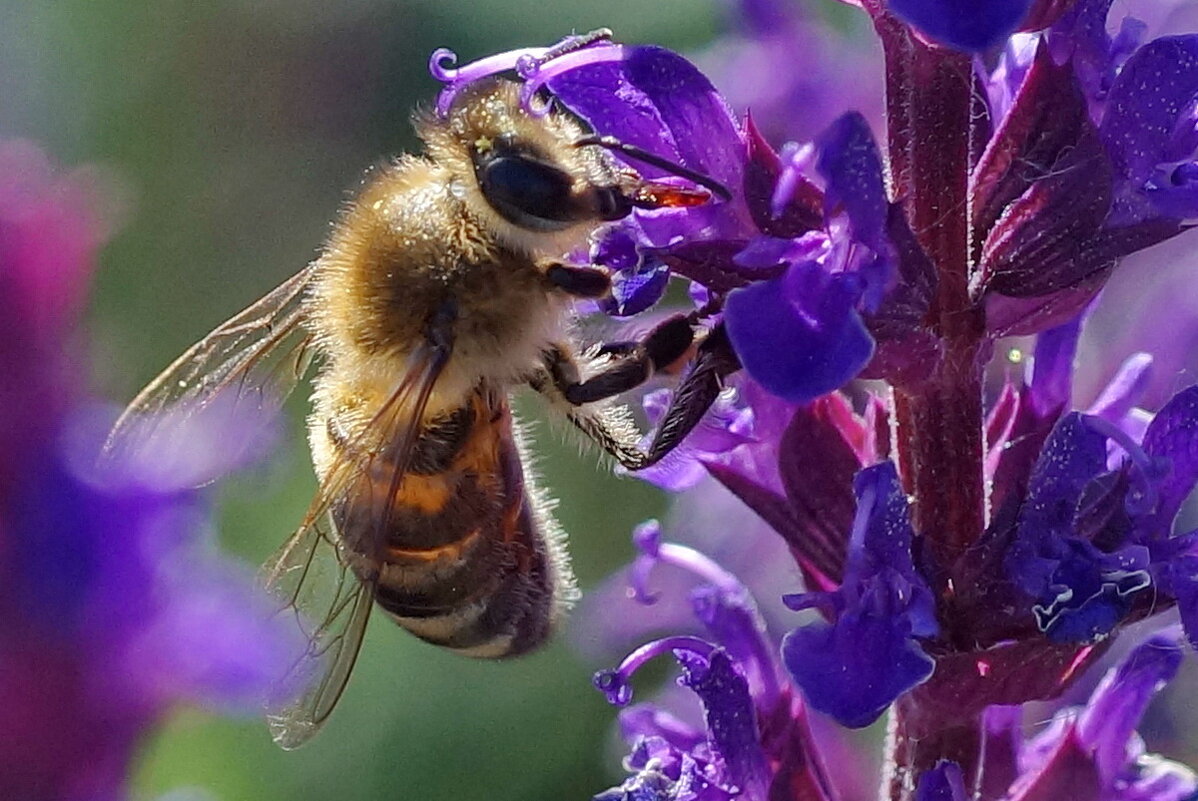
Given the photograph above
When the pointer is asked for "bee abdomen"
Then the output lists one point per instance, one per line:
(497, 602)
(467, 560)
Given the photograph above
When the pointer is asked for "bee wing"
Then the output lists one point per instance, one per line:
(312, 574)
(252, 360)
(330, 606)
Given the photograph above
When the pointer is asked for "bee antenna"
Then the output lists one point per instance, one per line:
(642, 155)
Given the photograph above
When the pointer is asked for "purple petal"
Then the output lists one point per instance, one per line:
(1108, 724)
(855, 669)
(633, 291)
(1068, 772)
(731, 719)
(726, 425)
(942, 783)
(1173, 435)
(1179, 578)
(663, 104)
(617, 248)
(803, 211)
(722, 604)
(1159, 779)
(1080, 37)
(1051, 385)
(1120, 396)
(1070, 551)
(856, 666)
(1073, 455)
(963, 24)
(799, 336)
(881, 543)
(1000, 760)
(1180, 202)
(764, 253)
(731, 618)
(852, 168)
(1158, 83)
(1090, 592)
(649, 720)
(657, 100)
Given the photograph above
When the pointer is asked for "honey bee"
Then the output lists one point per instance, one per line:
(439, 291)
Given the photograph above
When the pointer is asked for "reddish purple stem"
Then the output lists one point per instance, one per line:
(939, 439)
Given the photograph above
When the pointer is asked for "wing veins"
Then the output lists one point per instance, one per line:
(391, 432)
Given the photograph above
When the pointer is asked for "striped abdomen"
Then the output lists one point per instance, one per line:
(467, 559)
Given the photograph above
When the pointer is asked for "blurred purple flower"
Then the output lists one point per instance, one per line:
(114, 604)
(829, 68)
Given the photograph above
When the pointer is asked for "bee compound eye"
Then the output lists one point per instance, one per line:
(529, 193)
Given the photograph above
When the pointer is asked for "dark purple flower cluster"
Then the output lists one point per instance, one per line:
(963, 550)
(114, 604)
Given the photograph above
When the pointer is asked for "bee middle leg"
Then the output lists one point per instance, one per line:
(661, 350)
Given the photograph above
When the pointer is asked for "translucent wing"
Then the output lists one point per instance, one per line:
(245, 368)
(327, 585)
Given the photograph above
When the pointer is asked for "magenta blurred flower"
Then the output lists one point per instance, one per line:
(114, 602)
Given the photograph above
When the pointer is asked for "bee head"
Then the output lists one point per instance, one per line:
(541, 181)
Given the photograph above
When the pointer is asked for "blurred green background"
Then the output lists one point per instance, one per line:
(233, 130)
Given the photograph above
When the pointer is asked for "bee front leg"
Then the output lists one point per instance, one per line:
(661, 350)
(576, 281)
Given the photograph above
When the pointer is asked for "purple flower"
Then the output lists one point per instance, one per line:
(1093, 753)
(965, 549)
(113, 601)
(1091, 539)
(755, 742)
(1084, 754)
(963, 24)
(882, 601)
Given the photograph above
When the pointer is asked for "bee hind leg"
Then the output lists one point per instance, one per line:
(660, 351)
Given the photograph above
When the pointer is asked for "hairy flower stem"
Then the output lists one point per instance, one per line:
(939, 442)
(912, 750)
